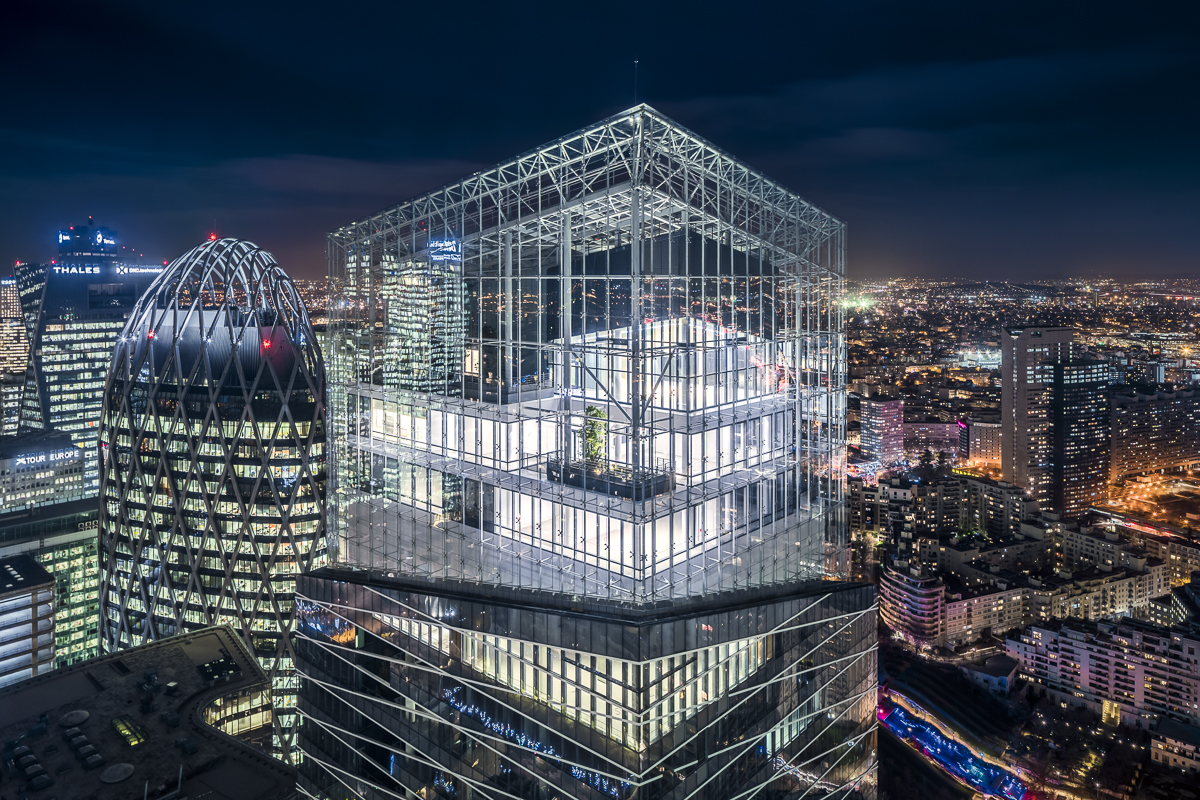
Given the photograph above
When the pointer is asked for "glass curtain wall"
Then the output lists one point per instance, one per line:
(213, 469)
(758, 696)
(611, 368)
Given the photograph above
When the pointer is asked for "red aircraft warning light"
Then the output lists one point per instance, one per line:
(212, 237)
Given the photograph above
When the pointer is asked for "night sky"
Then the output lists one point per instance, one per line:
(1010, 141)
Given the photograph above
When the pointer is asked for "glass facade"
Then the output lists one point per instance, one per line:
(213, 465)
(501, 694)
(608, 373)
(75, 308)
(62, 538)
(1079, 418)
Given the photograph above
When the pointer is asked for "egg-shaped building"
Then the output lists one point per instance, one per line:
(212, 467)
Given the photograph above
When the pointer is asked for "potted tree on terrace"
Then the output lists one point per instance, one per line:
(596, 473)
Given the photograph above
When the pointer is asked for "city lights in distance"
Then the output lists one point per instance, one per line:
(857, 301)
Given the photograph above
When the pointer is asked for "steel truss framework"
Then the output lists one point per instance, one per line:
(606, 378)
(405, 691)
(213, 464)
(631, 283)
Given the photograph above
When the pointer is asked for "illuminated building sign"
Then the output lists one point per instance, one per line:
(100, 238)
(46, 457)
(445, 250)
(86, 269)
(127, 269)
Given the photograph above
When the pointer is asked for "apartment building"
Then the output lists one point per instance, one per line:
(868, 506)
(976, 598)
(995, 507)
(912, 604)
(1097, 592)
(1130, 671)
(975, 607)
(1153, 432)
(1088, 546)
(1176, 746)
(979, 443)
(1181, 554)
(948, 610)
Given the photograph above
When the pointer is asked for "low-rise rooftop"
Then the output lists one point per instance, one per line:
(132, 724)
(21, 573)
(1178, 731)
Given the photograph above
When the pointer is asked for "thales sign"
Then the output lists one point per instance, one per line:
(83, 269)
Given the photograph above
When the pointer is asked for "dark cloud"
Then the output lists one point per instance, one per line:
(1014, 139)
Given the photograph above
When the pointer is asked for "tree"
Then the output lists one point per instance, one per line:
(943, 462)
(926, 459)
(1037, 776)
(595, 434)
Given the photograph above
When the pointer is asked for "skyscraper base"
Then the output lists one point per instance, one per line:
(441, 689)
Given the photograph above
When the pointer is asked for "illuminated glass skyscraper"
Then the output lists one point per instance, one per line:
(74, 309)
(212, 479)
(586, 530)
(14, 355)
(1079, 436)
(883, 430)
(1028, 360)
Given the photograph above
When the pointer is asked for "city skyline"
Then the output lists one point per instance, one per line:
(955, 141)
(680, 401)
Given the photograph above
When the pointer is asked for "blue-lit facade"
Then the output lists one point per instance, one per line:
(588, 414)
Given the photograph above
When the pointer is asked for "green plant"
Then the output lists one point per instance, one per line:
(595, 434)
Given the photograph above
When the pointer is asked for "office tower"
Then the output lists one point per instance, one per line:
(1027, 366)
(1152, 432)
(26, 619)
(39, 468)
(425, 313)
(12, 388)
(10, 299)
(62, 538)
(14, 355)
(74, 309)
(212, 445)
(14, 341)
(980, 443)
(44, 514)
(584, 536)
(883, 430)
(1079, 437)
